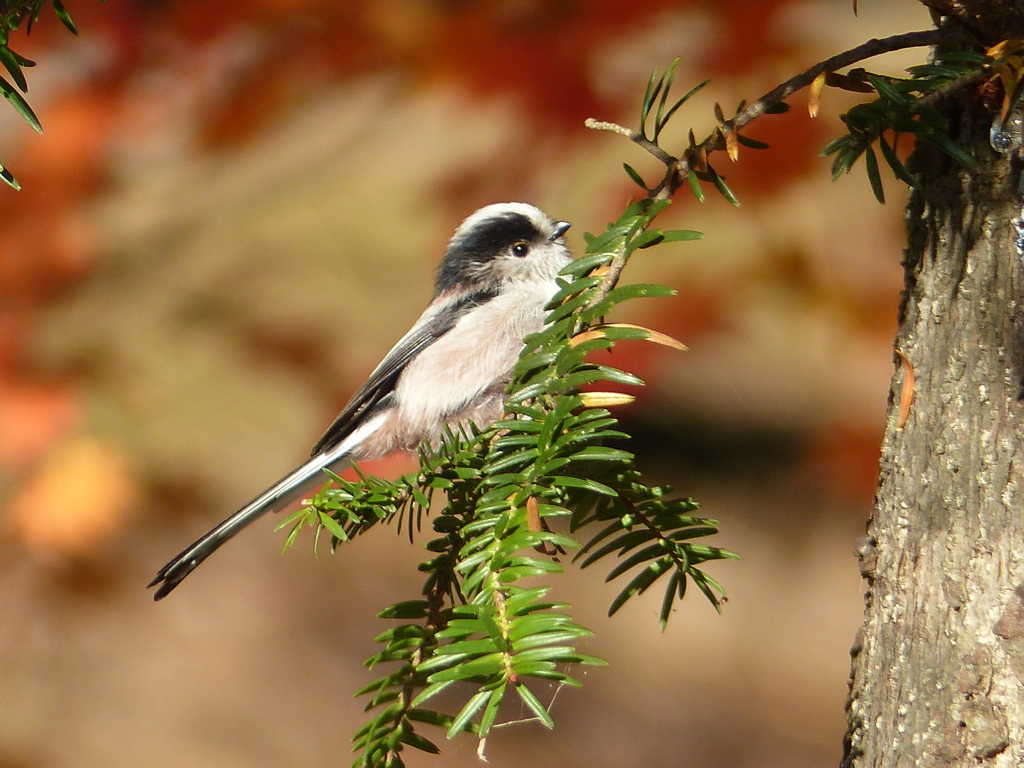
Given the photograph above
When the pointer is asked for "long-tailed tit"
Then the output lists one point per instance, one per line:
(452, 366)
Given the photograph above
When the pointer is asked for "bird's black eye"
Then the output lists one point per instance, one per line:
(520, 249)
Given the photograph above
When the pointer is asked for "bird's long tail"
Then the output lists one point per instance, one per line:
(286, 490)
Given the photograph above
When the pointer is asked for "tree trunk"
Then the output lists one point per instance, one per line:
(938, 667)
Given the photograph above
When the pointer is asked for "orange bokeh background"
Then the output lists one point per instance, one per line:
(234, 211)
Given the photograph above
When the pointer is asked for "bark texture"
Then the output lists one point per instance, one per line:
(938, 667)
(991, 20)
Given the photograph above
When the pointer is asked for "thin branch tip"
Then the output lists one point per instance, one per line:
(602, 125)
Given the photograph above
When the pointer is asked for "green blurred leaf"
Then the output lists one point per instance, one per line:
(491, 710)
(647, 239)
(898, 168)
(874, 177)
(609, 236)
(950, 147)
(584, 264)
(640, 583)
(719, 182)
(410, 609)
(534, 704)
(333, 526)
(636, 177)
(20, 105)
(11, 64)
(695, 187)
(622, 543)
(22, 61)
(679, 235)
(430, 717)
(834, 146)
(886, 89)
(653, 89)
(654, 551)
(64, 16)
(752, 143)
(583, 482)
(639, 291)
(416, 741)
(668, 115)
(660, 118)
(669, 599)
(8, 177)
(466, 714)
(708, 585)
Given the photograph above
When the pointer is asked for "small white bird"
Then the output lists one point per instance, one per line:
(453, 365)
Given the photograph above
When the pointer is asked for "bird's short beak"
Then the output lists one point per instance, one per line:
(560, 229)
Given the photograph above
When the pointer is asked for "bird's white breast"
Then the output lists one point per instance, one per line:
(472, 359)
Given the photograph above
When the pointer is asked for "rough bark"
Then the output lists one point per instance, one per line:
(938, 667)
(991, 20)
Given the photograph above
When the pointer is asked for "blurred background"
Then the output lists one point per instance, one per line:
(235, 210)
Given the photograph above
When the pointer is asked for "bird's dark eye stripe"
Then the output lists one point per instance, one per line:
(485, 242)
(492, 236)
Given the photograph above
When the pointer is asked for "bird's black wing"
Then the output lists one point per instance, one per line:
(378, 389)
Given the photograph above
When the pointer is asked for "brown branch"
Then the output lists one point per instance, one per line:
(866, 50)
(611, 277)
(953, 86)
(677, 168)
(871, 48)
(639, 139)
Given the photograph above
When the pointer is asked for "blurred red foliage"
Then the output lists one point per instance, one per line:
(32, 417)
(843, 460)
(794, 141)
(539, 52)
